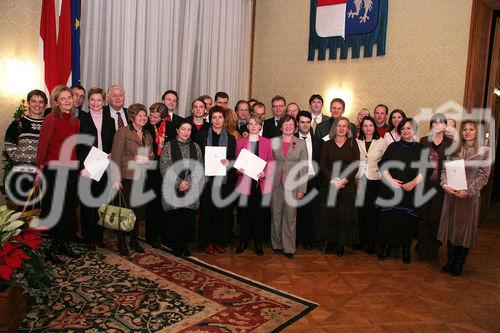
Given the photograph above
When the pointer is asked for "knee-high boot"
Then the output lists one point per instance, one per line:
(134, 235)
(451, 258)
(460, 256)
(122, 246)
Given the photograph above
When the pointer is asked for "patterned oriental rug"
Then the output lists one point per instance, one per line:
(158, 292)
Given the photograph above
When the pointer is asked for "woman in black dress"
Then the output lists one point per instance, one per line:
(340, 223)
(398, 222)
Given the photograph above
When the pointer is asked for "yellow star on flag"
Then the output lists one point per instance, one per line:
(77, 23)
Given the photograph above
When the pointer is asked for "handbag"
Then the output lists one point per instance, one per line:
(35, 211)
(118, 217)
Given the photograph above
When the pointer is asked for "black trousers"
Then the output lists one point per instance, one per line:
(306, 216)
(182, 223)
(213, 228)
(91, 231)
(252, 217)
(66, 195)
(368, 214)
(155, 217)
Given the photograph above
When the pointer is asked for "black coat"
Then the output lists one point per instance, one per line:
(317, 144)
(195, 131)
(108, 111)
(270, 129)
(87, 127)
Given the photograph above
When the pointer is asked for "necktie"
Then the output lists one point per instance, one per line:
(120, 120)
(304, 137)
(315, 123)
(169, 119)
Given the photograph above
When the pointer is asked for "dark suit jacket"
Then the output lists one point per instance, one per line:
(170, 130)
(230, 155)
(87, 127)
(195, 131)
(242, 129)
(323, 128)
(317, 144)
(108, 111)
(270, 130)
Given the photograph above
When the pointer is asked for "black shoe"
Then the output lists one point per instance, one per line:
(307, 246)
(155, 243)
(288, 255)
(406, 254)
(134, 245)
(122, 246)
(49, 256)
(340, 251)
(358, 246)
(451, 258)
(67, 251)
(330, 248)
(185, 251)
(370, 248)
(77, 239)
(241, 248)
(259, 250)
(384, 253)
(460, 256)
(277, 251)
(177, 251)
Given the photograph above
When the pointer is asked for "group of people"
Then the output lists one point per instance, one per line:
(326, 182)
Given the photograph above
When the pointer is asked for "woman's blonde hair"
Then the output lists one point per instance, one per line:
(333, 130)
(55, 96)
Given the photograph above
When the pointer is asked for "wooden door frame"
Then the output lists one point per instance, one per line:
(477, 72)
(476, 77)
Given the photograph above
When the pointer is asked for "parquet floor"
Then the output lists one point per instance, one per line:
(357, 293)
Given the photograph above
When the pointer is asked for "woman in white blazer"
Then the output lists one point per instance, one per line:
(371, 150)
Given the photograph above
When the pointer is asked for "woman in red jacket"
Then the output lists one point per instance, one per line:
(56, 157)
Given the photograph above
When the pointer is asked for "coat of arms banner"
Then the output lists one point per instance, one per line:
(344, 24)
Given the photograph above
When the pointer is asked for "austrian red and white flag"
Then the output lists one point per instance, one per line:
(330, 18)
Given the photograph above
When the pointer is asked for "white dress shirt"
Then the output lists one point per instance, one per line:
(114, 115)
(309, 145)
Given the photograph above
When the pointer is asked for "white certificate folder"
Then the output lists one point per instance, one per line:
(251, 164)
(96, 163)
(213, 157)
(455, 174)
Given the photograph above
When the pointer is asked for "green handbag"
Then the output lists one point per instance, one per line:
(117, 217)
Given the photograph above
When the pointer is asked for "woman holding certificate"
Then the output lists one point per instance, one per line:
(290, 184)
(132, 145)
(100, 126)
(460, 214)
(251, 214)
(398, 220)
(213, 233)
(185, 182)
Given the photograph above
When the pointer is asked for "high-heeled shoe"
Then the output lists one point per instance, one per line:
(330, 248)
(340, 250)
(259, 249)
(49, 256)
(406, 254)
(67, 251)
(241, 248)
(384, 253)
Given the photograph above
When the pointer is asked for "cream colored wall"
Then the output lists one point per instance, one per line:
(19, 35)
(424, 65)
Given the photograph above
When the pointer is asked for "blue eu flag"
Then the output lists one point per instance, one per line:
(75, 42)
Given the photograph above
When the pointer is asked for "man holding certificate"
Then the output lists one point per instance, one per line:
(460, 214)
(253, 185)
(213, 232)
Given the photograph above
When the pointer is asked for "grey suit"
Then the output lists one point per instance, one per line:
(283, 228)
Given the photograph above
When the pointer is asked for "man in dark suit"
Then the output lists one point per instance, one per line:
(242, 109)
(306, 214)
(337, 108)
(270, 128)
(316, 106)
(169, 98)
(115, 109)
